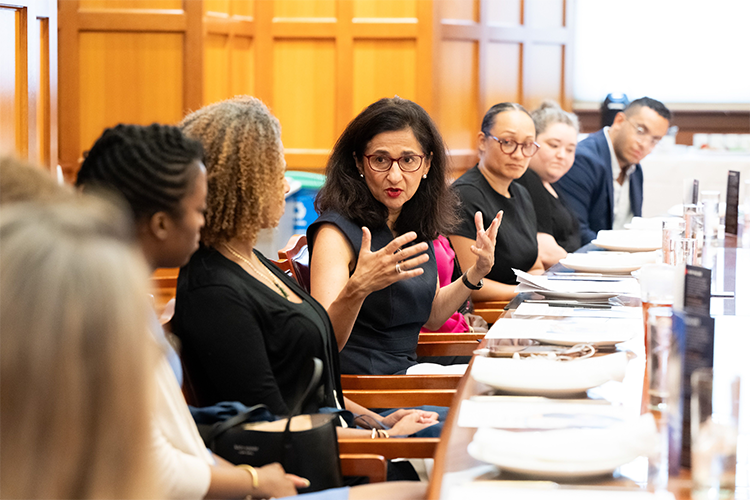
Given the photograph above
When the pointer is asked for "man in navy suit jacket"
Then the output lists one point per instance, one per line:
(605, 185)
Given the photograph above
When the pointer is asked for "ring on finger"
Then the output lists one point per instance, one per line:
(398, 268)
(398, 250)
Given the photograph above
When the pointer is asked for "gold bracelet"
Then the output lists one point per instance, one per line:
(251, 470)
(385, 433)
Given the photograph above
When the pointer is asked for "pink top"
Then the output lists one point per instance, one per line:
(444, 255)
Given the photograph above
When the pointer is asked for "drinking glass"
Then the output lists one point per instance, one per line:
(711, 201)
(671, 229)
(693, 215)
(683, 251)
(714, 412)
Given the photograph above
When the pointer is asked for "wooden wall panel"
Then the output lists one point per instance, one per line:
(9, 94)
(507, 12)
(304, 8)
(459, 119)
(217, 6)
(544, 13)
(304, 92)
(216, 68)
(543, 74)
(28, 81)
(44, 96)
(503, 75)
(129, 77)
(383, 68)
(520, 56)
(242, 62)
(129, 4)
(385, 8)
(244, 8)
(466, 10)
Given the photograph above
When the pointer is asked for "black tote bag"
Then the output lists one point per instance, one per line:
(305, 445)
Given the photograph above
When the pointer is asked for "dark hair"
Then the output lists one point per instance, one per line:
(657, 106)
(148, 166)
(489, 117)
(432, 209)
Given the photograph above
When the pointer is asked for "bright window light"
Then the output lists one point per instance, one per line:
(676, 51)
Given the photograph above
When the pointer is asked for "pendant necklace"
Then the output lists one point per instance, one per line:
(271, 280)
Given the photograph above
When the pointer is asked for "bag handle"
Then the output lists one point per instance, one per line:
(317, 373)
(221, 427)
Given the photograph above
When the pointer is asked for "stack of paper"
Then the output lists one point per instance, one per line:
(575, 289)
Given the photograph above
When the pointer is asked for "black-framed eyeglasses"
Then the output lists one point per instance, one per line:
(383, 163)
(642, 133)
(509, 146)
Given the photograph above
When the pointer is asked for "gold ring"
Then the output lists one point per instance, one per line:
(398, 268)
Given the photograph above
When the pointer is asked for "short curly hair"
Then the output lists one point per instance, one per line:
(244, 163)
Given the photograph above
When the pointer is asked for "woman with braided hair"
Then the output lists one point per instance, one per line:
(160, 174)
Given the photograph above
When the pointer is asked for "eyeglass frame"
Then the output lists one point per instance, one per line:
(640, 131)
(396, 160)
(534, 143)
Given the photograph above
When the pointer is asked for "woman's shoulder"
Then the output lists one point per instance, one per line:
(347, 227)
(468, 178)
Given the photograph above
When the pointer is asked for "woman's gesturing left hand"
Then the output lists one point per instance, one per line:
(484, 247)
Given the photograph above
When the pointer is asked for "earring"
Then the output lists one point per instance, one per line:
(424, 176)
(361, 174)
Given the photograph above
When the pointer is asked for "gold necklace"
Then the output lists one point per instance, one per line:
(271, 280)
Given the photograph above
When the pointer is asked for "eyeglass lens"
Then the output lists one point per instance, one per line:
(381, 163)
(509, 147)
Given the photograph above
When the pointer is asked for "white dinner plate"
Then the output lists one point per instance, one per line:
(576, 295)
(627, 246)
(597, 266)
(629, 240)
(540, 468)
(577, 451)
(544, 377)
(597, 340)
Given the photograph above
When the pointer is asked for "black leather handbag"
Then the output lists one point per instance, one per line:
(305, 445)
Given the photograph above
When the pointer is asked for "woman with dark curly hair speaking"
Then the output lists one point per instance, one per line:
(385, 199)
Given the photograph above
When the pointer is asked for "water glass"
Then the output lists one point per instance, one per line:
(693, 215)
(714, 412)
(671, 229)
(711, 220)
(683, 251)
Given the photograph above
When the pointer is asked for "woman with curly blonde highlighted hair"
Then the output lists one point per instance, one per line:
(245, 161)
(248, 331)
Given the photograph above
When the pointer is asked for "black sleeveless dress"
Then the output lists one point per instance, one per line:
(385, 335)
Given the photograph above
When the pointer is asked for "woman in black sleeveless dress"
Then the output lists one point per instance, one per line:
(372, 264)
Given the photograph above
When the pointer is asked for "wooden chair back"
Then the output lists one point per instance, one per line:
(295, 255)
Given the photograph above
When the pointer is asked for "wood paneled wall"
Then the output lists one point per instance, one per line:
(28, 80)
(316, 63)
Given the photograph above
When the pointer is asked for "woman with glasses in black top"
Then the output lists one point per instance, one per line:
(372, 264)
(506, 144)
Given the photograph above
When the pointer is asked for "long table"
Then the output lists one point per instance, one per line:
(730, 263)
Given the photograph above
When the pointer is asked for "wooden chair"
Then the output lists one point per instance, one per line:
(295, 257)
(375, 467)
(490, 310)
(163, 287)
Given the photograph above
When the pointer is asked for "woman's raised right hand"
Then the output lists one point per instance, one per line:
(392, 263)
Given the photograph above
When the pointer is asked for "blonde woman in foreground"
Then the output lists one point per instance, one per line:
(76, 361)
